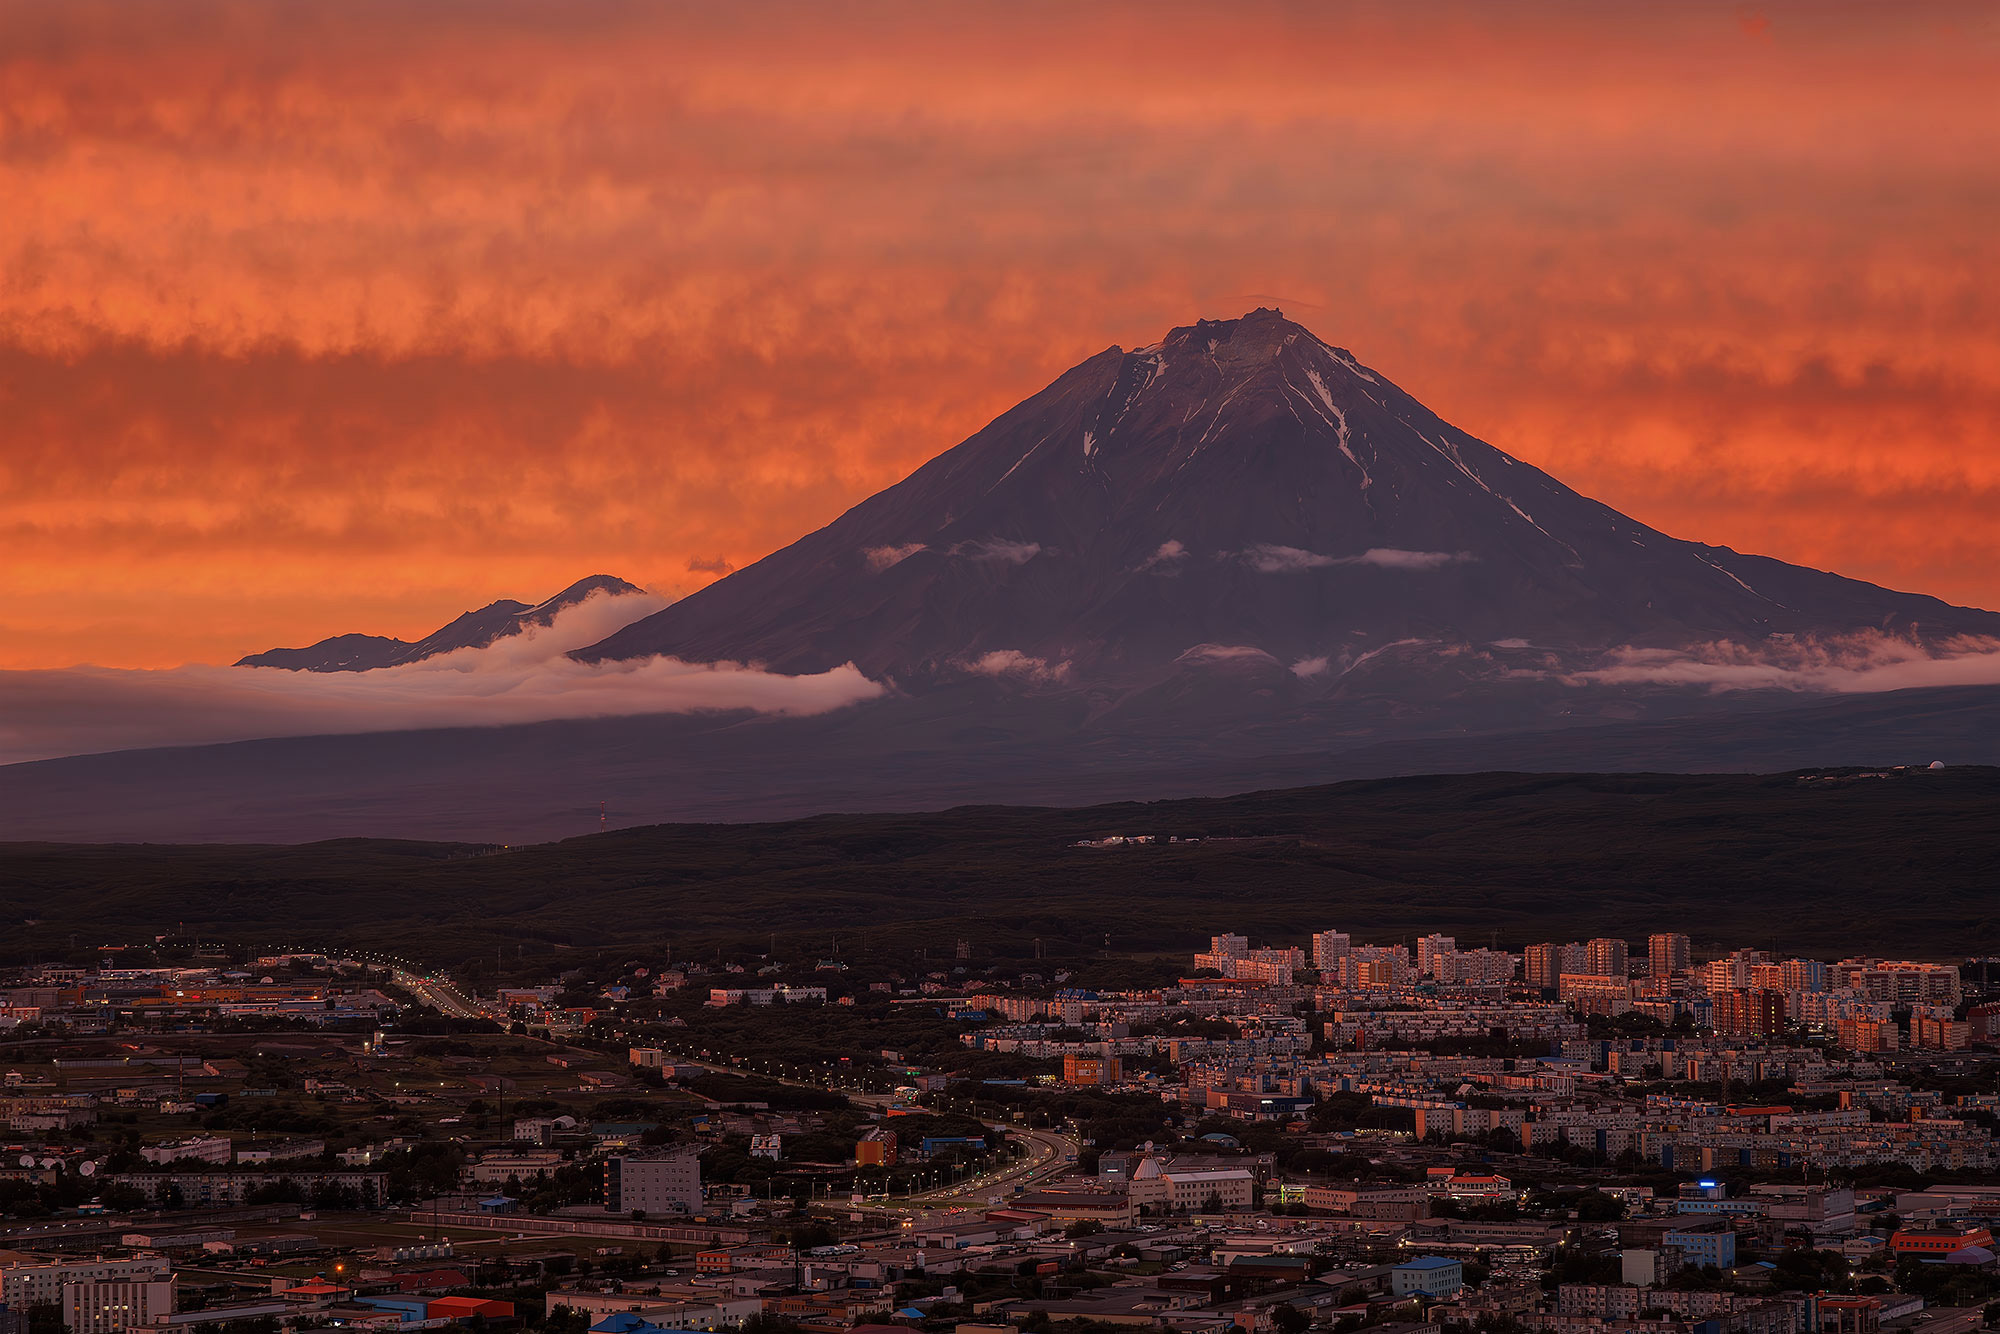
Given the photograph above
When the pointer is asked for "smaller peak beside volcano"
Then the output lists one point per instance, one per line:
(609, 584)
(475, 629)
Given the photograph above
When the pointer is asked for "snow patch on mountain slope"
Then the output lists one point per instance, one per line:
(1208, 655)
(882, 558)
(1011, 662)
(1000, 549)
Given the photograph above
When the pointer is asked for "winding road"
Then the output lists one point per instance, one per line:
(1051, 1153)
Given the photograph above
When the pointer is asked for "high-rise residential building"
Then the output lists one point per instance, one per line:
(1383, 971)
(1864, 1034)
(1595, 993)
(1268, 967)
(1607, 958)
(1541, 965)
(1429, 948)
(1750, 1012)
(1937, 1028)
(1900, 983)
(1329, 946)
(1482, 967)
(1264, 966)
(1229, 945)
(1373, 966)
(1803, 975)
(1732, 972)
(1575, 957)
(1667, 953)
(1662, 987)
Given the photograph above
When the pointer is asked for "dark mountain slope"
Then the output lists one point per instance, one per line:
(527, 783)
(1800, 865)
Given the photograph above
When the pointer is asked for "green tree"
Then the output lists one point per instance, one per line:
(1594, 1206)
(1289, 1319)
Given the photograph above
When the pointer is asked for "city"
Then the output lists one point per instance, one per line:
(1591, 1135)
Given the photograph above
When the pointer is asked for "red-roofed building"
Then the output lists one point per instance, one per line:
(463, 1308)
(1476, 1186)
(1937, 1242)
(314, 1292)
(1849, 1315)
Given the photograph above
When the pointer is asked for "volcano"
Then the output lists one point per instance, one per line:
(1236, 559)
(1243, 497)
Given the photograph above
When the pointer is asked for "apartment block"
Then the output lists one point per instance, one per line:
(666, 1182)
(110, 1306)
(1667, 954)
(1607, 957)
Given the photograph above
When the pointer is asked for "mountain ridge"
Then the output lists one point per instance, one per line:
(1804, 858)
(478, 628)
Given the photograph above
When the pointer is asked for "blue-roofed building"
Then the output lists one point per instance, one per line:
(939, 1143)
(630, 1322)
(408, 1310)
(623, 1322)
(1432, 1276)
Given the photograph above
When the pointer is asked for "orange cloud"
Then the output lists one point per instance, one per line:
(325, 317)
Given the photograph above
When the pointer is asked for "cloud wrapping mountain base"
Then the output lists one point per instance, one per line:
(1862, 663)
(521, 679)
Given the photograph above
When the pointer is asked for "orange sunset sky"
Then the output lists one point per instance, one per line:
(319, 317)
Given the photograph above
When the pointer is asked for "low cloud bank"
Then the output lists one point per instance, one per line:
(522, 679)
(1270, 558)
(1863, 663)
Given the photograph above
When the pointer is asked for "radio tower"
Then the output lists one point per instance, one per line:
(603, 820)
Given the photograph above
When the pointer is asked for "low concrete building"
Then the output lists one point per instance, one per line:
(1431, 1276)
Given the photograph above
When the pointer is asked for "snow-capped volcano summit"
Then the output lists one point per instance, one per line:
(1240, 493)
